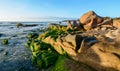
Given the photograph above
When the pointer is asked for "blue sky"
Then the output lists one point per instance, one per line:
(57, 8)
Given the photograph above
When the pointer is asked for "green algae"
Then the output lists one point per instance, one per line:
(5, 41)
(60, 65)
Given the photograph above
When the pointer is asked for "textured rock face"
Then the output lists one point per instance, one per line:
(101, 56)
(116, 23)
(90, 20)
(114, 34)
(106, 23)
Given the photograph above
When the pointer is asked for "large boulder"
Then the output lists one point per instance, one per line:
(90, 20)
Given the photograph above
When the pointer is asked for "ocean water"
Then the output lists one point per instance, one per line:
(9, 28)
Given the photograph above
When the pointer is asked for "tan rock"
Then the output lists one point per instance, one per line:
(90, 20)
(106, 23)
(113, 34)
(75, 23)
(102, 56)
(69, 25)
(116, 23)
(71, 39)
(74, 41)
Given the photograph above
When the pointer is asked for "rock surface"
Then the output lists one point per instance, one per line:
(90, 20)
(116, 23)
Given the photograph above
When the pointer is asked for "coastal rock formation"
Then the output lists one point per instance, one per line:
(99, 49)
(90, 20)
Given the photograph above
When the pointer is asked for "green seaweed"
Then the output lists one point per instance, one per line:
(54, 33)
(5, 41)
(32, 36)
(60, 64)
(49, 58)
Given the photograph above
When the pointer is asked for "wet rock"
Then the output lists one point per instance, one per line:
(5, 53)
(25, 25)
(19, 24)
(30, 25)
(32, 35)
(4, 41)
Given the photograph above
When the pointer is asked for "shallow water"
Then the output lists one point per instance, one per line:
(15, 56)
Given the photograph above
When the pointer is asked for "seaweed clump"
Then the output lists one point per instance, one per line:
(43, 54)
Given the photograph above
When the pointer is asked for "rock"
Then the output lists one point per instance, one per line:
(25, 25)
(116, 23)
(66, 64)
(19, 24)
(75, 23)
(102, 56)
(32, 35)
(30, 25)
(74, 40)
(106, 24)
(4, 41)
(103, 28)
(57, 44)
(69, 25)
(113, 34)
(87, 43)
(90, 20)
(5, 53)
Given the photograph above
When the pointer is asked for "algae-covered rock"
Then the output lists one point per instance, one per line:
(4, 41)
(49, 58)
(39, 45)
(27, 44)
(19, 24)
(32, 36)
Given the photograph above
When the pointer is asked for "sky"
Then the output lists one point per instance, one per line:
(16, 9)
